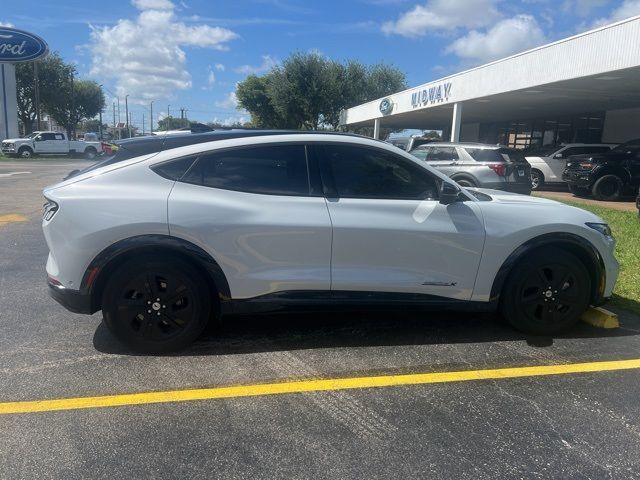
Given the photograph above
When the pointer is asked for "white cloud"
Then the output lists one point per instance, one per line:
(582, 8)
(443, 15)
(211, 78)
(267, 64)
(145, 56)
(628, 8)
(153, 4)
(220, 67)
(228, 121)
(508, 36)
(6, 24)
(229, 102)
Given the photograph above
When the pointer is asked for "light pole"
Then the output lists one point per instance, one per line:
(151, 119)
(168, 116)
(126, 113)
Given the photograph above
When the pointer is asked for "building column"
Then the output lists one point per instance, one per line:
(8, 102)
(455, 122)
(376, 129)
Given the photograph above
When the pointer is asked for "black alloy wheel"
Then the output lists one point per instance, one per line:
(156, 307)
(537, 179)
(607, 187)
(547, 292)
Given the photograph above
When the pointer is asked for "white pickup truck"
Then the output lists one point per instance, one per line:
(49, 143)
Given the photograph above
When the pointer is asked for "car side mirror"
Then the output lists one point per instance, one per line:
(38, 138)
(449, 193)
(558, 155)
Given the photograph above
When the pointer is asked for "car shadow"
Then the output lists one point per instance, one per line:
(298, 331)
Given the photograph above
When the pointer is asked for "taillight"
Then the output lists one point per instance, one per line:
(49, 209)
(499, 168)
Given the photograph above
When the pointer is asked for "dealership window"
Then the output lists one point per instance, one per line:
(582, 128)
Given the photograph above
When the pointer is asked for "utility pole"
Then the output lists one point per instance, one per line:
(151, 119)
(143, 123)
(36, 89)
(118, 109)
(126, 113)
(100, 120)
(73, 108)
(168, 116)
(114, 117)
(129, 125)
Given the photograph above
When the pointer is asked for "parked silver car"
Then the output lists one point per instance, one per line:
(479, 165)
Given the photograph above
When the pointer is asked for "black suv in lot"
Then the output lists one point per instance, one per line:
(607, 175)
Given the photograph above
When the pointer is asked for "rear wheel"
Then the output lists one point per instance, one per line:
(546, 292)
(156, 306)
(607, 187)
(90, 153)
(537, 179)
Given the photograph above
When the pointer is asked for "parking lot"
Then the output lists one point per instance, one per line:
(484, 415)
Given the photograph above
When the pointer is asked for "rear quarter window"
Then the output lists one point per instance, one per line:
(485, 155)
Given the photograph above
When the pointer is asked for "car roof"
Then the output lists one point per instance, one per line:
(461, 144)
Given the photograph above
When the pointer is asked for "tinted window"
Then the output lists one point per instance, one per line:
(175, 169)
(435, 154)
(369, 173)
(485, 154)
(583, 150)
(275, 170)
(59, 136)
(47, 136)
(420, 153)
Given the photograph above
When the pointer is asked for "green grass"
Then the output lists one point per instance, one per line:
(626, 230)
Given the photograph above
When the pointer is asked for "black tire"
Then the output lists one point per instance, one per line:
(578, 191)
(25, 152)
(607, 187)
(537, 179)
(90, 153)
(546, 292)
(465, 182)
(136, 317)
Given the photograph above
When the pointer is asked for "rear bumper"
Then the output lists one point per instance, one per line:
(73, 300)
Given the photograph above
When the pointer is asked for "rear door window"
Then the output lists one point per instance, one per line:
(438, 154)
(272, 170)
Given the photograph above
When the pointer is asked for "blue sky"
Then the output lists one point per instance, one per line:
(191, 53)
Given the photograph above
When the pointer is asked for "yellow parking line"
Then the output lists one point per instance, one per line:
(305, 386)
(12, 217)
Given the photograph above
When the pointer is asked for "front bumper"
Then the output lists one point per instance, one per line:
(579, 178)
(8, 150)
(73, 300)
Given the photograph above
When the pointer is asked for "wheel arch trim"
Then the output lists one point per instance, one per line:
(585, 249)
(95, 274)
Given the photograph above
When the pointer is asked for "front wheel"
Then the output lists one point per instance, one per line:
(607, 187)
(25, 152)
(465, 182)
(546, 292)
(156, 306)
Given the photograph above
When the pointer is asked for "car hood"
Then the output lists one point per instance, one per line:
(508, 197)
(13, 140)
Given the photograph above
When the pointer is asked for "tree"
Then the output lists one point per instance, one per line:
(73, 101)
(173, 123)
(253, 96)
(309, 91)
(52, 72)
(93, 125)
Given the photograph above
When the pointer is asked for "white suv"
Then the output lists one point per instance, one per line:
(164, 242)
(548, 162)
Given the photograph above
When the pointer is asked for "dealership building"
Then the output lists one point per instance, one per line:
(584, 88)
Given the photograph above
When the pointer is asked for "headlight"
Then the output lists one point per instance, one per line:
(603, 228)
(50, 208)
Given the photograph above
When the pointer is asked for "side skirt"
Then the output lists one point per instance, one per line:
(291, 301)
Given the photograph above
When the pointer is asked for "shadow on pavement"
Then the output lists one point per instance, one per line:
(297, 331)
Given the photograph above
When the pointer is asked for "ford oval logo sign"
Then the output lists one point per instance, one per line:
(18, 46)
(386, 106)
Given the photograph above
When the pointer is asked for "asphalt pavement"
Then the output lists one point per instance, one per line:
(567, 425)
